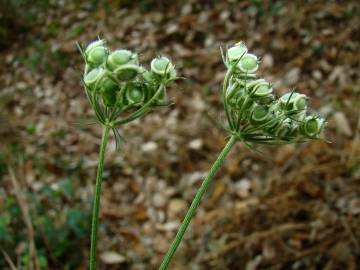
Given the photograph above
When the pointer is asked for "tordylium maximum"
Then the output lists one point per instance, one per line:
(119, 90)
(254, 116)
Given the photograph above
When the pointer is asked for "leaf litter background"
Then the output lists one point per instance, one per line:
(290, 207)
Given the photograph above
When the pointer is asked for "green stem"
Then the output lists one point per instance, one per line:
(195, 203)
(96, 203)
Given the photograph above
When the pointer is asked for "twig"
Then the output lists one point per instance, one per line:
(350, 233)
(26, 216)
(257, 235)
(8, 259)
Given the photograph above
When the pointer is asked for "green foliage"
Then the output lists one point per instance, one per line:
(59, 232)
(42, 59)
(2, 165)
(17, 16)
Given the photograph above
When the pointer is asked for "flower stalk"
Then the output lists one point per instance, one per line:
(96, 203)
(196, 202)
(254, 116)
(119, 90)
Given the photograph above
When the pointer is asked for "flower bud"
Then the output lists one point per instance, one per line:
(147, 76)
(93, 78)
(126, 72)
(293, 101)
(96, 53)
(236, 52)
(248, 63)
(311, 126)
(262, 89)
(118, 58)
(108, 84)
(259, 114)
(135, 94)
(162, 66)
(109, 97)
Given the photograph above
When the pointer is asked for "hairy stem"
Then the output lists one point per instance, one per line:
(96, 203)
(195, 203)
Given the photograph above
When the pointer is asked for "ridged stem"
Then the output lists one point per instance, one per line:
(96, 203)
(195, 203)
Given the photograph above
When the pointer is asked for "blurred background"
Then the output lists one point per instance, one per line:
(290, 207)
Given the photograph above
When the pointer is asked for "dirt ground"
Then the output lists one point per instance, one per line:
(288, 207)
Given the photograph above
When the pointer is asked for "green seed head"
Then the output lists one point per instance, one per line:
(236, 52)
(147, 76)
(162, 66)
(108, 84)
(259, 114)
(96, 53)
(248, 63)
(93, 78)
(300, 102)
(118, 58)
(134, 95)
(312, 126)
(127, 72)
(263, 89)
(293, 101)
(109, 97)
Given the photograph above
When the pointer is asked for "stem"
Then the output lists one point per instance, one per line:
(96, 203)
(225, 85)
(195, 203)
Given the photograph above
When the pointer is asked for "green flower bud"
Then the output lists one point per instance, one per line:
(162, 66)
(135, 94)
(259, 114)
(126, 72)
(301, 102)
(147, 76)
(311, 127)
(118, 58)
(262, 89)
(109, 97)
(248, 63)
(109, 85)
(236, 52)
(293, 101)
(93, 78)
(96, 53)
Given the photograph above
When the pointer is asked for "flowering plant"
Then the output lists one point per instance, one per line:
(120, 90)
(254, 116)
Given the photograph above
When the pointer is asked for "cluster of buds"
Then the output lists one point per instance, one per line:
(120, 89)
(254, 114)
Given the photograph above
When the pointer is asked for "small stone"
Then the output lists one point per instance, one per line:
(243, 188)
(159, 200)
(342, 123)
(267, 61)
(317, 75)
(176, 208)
(111, 257)
(168, 226)
(196, 144)
(292, 77)
(149, 147)
(354, 206)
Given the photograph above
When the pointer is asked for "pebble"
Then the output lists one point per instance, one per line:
(176, 208)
